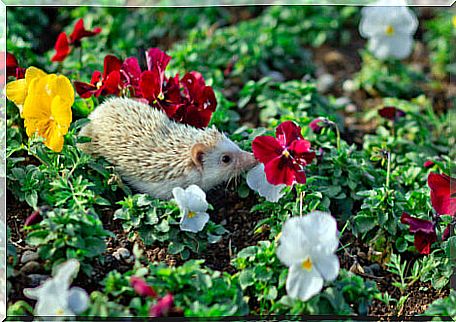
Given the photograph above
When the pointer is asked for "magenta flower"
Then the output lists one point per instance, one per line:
(285, 156)
(34, 218)
(162, 307)
(428, 164)
(319, 124)
(141, 288)
(443, 188)
(424, 231)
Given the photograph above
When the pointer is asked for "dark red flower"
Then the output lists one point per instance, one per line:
(141, 288)
(34, 218)
(131, 74)
(103, 84)
(424, 231)
(285, 156)
(152, 81)
(391, 113)
(162, 307)
(318, 124)
(447, 232)
(80, 32)
(12, 67)
(428, 164)
(443, 188)
(62, 48)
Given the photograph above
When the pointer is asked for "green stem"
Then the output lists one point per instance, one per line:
(388, 170)
(80, 55)
(337, 137)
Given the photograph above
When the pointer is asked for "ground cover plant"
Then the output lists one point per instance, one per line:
(350, 209)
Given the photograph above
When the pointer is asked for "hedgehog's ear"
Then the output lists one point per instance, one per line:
(198, 150)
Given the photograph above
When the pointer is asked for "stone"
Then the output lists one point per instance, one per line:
(28, 256)
(30, 267)
(37, 279)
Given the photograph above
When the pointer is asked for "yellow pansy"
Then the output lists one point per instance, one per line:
(47, 101)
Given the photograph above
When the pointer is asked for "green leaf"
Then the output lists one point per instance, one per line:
(175, 248)
(248, 252)
(246, 278)
(32, 198)
(37, 238)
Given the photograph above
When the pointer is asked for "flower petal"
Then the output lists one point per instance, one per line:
(180, 197)
(303, 284)
(280, 171)
(157, 58)
(61, 113)
(294, 245)
(443, 188)
(288, 132)
(194, 224)
(266, 148)
(327, 265)
(256, 180)
(78, 300)
(16, 91)
(62, 48)
(196, 199)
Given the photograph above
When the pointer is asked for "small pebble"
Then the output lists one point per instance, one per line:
(276, 76)
(28, 256)
(325, 82)
(121, 254)
(30, 267)
(349, 86)
(351, 108)
(37, 279)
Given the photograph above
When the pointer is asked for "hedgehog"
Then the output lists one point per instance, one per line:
(154, 154)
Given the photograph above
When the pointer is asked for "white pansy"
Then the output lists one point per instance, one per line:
(389, 25)
(256, 180)
(193, 205)
(55, 297)
(307, 246)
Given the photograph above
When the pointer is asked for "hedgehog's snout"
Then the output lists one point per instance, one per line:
(247, 161)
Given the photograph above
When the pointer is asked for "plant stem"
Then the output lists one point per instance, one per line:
(337, 137)
(80, 55)
(388, 170)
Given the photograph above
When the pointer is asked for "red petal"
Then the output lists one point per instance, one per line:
(11, 65)
(131, 70)
(417, 224)
(157, 58)
(85, 90)
(442, 187)
(141, 288)
(278, 171)
(61, 47)
(111, 64)
(111, 84)
(34, 218)
(150, 84)
(96, 77)
(423, 242)
(317, 125)
(162, 307)
(428, 164)
(80, 32)
(266, 148)
(391, 113)
(287, 132)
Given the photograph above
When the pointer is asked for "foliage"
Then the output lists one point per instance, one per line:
(156, 221)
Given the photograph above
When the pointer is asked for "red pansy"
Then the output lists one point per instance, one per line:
(318, 124)
(12, 67)
(141, 288)
(103, 84)
(428, 164)
(391, 113)
(131, 73)
(162, 307)
(80, 32)
(285, 156)
(424, 231)
(62, 48)
(443, 188)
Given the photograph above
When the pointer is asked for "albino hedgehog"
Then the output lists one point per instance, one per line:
(154, 154)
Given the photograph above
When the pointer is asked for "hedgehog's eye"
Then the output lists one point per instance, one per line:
(226, 159)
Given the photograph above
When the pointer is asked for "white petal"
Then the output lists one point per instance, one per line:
(66, 272)
(256, 180)
(194, 224)
(303, 284)
(180, 197)
(398, 46)
(78, 300)
(196, 199)
(327, 265)
(321, 229)
(294, 246)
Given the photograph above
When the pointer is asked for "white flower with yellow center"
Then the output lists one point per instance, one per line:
(307, 246)
(389, 25)
(256, 180)
(55, 297)
(193, 205)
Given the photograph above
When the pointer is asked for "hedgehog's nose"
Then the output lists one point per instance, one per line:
(248, 161)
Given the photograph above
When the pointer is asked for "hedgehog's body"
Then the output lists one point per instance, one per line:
(155, 154)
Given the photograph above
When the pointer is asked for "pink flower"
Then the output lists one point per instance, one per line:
(33, 219)
(162, 307)
(443, 188)
(285, 156)
(141, 288)
(319, 124)
(424, 231)
(428, 164)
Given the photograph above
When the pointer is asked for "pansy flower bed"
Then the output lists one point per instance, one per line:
(346, 208)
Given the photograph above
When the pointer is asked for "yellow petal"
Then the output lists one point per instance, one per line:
(61, 112)
(61, 86)
(33, 73)
(55, 140)
(16, 91)
(37, 103)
